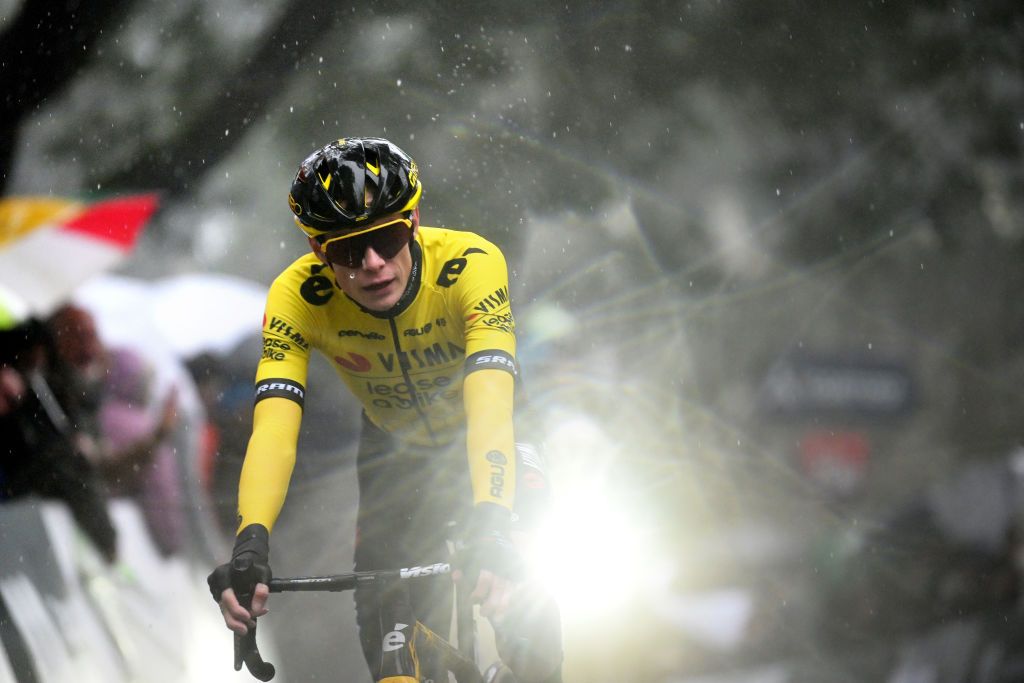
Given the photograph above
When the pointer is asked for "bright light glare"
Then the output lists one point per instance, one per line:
(593, 549)
(589, 555)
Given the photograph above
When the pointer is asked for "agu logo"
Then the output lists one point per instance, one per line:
(498, 462)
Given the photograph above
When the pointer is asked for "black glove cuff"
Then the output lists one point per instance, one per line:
(488, 543)
(253, 542)
(489, 519)
(250, 563)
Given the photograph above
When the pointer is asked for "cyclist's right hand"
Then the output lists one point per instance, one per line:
(240, 587)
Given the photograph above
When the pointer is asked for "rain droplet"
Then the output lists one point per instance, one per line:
(399, 82)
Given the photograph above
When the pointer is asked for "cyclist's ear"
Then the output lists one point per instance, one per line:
(317, 250)
(415, 220)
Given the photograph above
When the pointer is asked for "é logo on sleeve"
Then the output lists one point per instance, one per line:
(453, 268)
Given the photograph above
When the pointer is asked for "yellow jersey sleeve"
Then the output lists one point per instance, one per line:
(490, 369)
(277, 416)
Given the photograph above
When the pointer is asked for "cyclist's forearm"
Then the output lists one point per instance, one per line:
(490, 437)
(269, 461)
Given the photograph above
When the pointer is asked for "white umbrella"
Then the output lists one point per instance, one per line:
(208, 312)
(186, 314)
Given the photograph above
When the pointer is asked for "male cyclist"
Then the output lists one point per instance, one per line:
(418, 324)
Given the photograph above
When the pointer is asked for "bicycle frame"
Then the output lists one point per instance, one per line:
(460, 661)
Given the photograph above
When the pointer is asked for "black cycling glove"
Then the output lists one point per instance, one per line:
(251, 562)
(488, 544)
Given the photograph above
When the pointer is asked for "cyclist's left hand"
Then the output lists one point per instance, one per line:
(489, 560)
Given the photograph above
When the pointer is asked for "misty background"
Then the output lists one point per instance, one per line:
(766, 264)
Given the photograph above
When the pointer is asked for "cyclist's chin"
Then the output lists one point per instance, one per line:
(379, 299)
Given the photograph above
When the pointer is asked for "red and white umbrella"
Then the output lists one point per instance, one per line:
(48, 247)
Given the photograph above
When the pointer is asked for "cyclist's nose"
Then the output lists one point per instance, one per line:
(372, 260)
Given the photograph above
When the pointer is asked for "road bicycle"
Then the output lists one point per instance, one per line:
(403, 648)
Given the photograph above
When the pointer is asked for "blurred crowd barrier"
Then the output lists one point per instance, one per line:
(124, 418)
(118, 466)
(68, 614)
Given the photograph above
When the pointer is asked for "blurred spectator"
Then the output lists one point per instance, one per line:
(12, 389)
(120, 424)
(39, 453)
(225, 383)
(935, 586)
(138, 454)
(226, 394)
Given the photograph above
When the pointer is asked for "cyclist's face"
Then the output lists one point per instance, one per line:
(378, 283)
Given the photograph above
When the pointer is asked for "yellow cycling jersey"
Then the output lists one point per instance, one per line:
(410, 366)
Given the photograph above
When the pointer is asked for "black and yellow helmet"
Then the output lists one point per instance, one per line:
(351, 181)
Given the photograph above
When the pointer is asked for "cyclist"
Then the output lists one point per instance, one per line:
(418, 324)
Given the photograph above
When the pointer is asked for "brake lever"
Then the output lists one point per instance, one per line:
(243, 582)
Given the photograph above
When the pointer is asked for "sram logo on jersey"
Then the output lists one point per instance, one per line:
(428, 570)
(280, 388)
(491, 359)
(283, 328)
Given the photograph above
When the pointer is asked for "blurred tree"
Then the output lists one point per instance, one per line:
(41, 49)
(230, 103)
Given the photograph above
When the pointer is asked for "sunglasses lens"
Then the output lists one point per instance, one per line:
(343, 254)
(387, 242)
